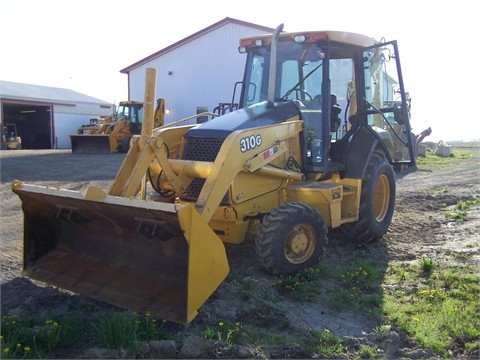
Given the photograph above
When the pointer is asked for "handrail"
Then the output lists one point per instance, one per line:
(186, 119)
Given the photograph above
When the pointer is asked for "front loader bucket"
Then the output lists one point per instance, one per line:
(93, 143)
(136, 254)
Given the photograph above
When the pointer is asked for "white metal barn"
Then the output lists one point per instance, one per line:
(46, 116)
(199, 71)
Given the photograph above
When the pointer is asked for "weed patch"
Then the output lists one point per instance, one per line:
(224, 332)
(459, 212)
(119, 330)
(302, 286)
(34, 339)
(327, 343)
(440, 314)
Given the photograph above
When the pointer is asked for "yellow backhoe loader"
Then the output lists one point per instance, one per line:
(113, 133)
(321, 121)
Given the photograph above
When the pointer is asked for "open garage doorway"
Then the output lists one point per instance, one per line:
(33, 123)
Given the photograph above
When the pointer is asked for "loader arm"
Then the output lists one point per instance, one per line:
(243, 150)
(140, 157)
(118, 126)
(237, 154)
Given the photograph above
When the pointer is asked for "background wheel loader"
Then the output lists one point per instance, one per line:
(113, 133)
(321, 122)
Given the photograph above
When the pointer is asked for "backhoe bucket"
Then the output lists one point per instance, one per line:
(93, 143)
(136, 254)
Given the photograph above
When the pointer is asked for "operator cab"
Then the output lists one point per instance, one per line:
(325, 74)
(133, 112)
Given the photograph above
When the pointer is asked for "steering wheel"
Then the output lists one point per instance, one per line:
(299, 91)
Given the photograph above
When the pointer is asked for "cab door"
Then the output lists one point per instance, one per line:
(386, 104)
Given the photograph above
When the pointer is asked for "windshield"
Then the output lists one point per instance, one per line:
(303, 72)
(130, 112)
(299, 74)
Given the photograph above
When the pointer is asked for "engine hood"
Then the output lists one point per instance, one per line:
(246, 118)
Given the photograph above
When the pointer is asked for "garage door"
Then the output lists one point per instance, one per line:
(33, 123)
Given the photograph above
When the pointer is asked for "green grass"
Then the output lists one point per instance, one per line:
(353, 287)
(368, 352)
(435, 303)
(301, 286)
(326, 343)
(356, 287)
(431, 159)
(35, 338)
(224, 332)
(441, 311)
(427, 265)
(459, 212)
(122, 330)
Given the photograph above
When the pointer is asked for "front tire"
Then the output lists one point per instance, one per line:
(125, 145)
(377, 202)
(291, 238)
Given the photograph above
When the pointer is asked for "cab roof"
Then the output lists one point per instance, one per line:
(343, 37)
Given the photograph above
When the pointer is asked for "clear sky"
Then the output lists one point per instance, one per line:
(83, 44)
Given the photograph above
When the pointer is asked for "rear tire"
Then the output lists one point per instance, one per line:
(291, 238)
(377, 202)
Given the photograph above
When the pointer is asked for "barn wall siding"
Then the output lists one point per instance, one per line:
(66, 124)
(203, 72)
(67, 120)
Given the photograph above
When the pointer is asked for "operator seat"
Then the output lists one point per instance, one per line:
(316, 102)
(340, 148)
(335, 111)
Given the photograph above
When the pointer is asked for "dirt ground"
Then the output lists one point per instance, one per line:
(419, 229)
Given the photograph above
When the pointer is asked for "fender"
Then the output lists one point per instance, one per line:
(361, 146)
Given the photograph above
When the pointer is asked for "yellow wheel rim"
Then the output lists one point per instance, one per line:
(300, 244)
(381, 198)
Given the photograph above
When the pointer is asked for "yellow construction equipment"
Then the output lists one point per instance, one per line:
(311, 147)
(10, 138)
(113, 133)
